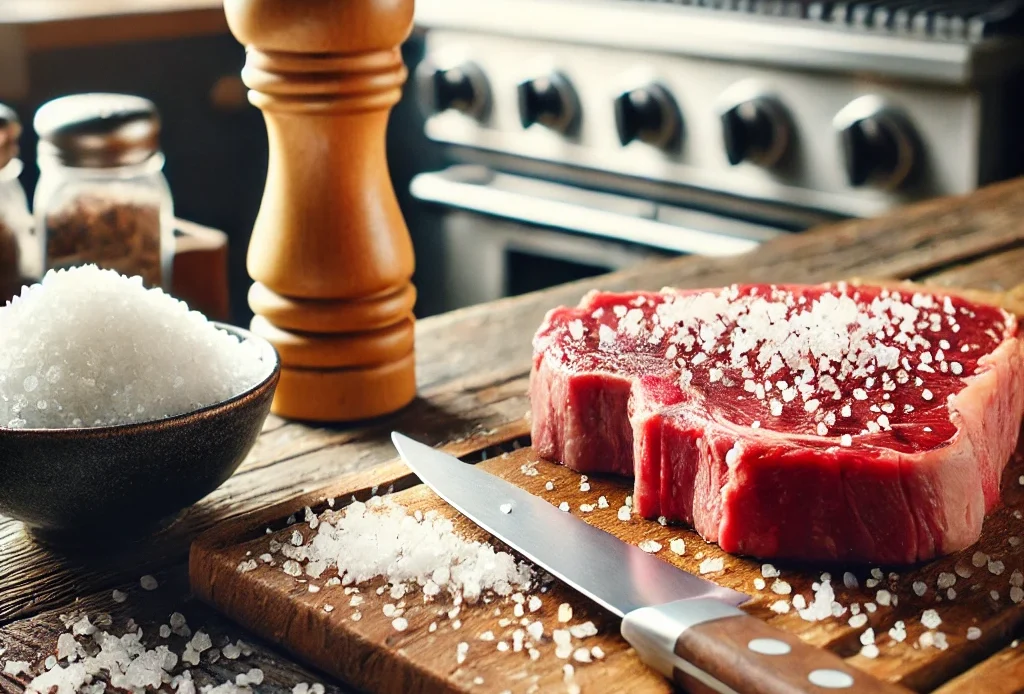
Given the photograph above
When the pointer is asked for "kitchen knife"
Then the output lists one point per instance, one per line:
(689, 629)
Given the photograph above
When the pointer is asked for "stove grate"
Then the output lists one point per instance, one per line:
(956, 20)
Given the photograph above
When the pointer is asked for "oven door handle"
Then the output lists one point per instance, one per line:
(436, 188)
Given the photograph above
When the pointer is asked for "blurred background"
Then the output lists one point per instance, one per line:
(539, 141)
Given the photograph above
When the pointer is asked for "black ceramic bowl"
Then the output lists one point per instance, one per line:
(106, 483)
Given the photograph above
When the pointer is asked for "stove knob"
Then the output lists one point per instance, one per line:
(648, 114)
(756, 130)
(550, 101)
(878, 143)
(462, 87)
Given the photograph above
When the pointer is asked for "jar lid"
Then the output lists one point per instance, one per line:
(10, 131)
(98, 130)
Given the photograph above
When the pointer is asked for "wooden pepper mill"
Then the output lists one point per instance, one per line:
(330, 253)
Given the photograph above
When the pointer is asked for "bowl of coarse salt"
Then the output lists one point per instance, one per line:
(119, 406)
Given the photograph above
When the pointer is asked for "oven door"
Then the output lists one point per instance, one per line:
(503, 235)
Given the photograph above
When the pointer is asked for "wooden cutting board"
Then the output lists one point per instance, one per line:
(372, 655)
(319, 627)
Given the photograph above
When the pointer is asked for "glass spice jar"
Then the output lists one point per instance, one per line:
(102, 196)
(15, 219)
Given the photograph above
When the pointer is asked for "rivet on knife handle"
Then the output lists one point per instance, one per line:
(707, 646)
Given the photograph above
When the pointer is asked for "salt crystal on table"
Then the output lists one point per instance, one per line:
(119, 596)
(973, 633)
(82, 338)
(83, 627)
(15, 667)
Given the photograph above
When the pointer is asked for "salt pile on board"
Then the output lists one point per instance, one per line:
(379, 538)
(88, 347)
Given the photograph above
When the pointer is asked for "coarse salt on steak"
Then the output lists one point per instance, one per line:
(828, 422)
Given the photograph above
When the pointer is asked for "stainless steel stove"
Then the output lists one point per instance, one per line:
(705, 127)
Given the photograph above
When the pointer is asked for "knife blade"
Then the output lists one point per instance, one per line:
(688, 628)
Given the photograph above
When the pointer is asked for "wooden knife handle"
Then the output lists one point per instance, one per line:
(708, 646)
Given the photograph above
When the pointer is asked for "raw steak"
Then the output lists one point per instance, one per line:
(828, 422)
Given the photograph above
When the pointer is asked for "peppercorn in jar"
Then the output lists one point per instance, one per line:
(102, 197)
(15, 219)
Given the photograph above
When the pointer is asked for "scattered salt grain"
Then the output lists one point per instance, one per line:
(930, 619)
(119, 596)
(83, 338)
(995, 567)
(564, 612)
(850, 581)
(650, 546)
(623, 514)
(534, 603)
(400, 624)
(869, 651)
(769, 571)
(883, 598)
(550, 486)
(1016, 594)
(597, 652)
(712, 565)
(898, 632)
(821, 607)
(979, 559)
(581, 655)
(246, 566)
(945, 580)
(858, 620)
(799, 602)
(780, 607)
(231, 651)
(16, 667)
(583, 631)
(973, 633)
(564, 506)
(505, 508)
(148, 583)
(677, 545)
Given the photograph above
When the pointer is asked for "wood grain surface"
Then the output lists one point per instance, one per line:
(472, 368)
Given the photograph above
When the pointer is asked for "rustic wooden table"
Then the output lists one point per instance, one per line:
(473, 367)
